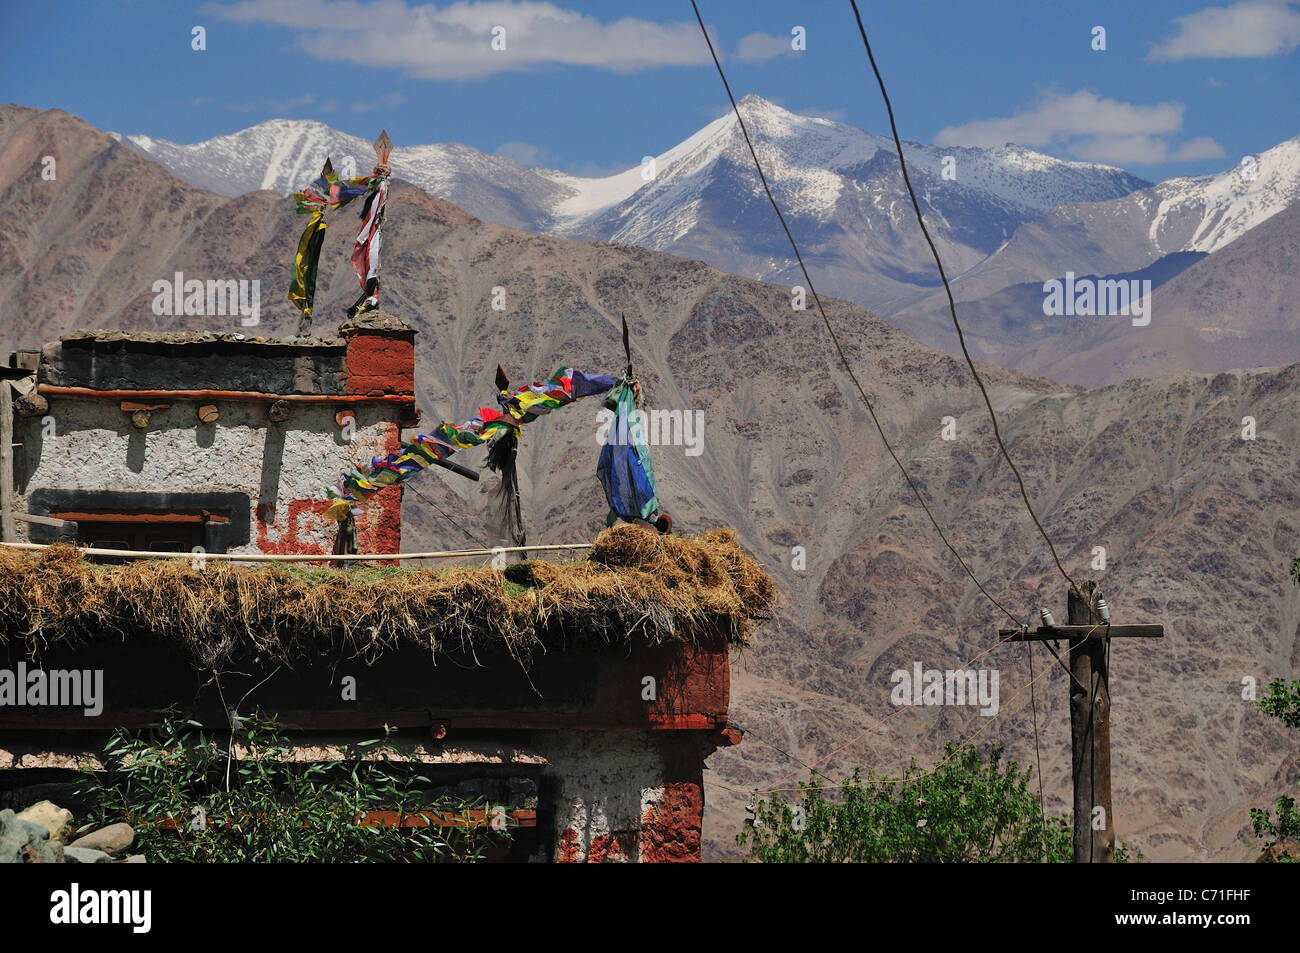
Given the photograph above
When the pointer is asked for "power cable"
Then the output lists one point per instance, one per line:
(747, 732)
(835, 338)
(952, 305)
(446, 516)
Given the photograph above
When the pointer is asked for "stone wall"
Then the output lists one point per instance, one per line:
(104, 361)
(626, 797)
(583, 796)
(121, 416)
(88, 445)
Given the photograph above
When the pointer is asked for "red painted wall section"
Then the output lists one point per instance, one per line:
(296, 528)
(280, 529)
(670, 829)
(614, 848)
(380, 362)
(692, 685)
(380, 529)
(570, 851)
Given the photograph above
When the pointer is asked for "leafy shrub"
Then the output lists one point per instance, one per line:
(963, 812)
(1283, 703)
(193, 797)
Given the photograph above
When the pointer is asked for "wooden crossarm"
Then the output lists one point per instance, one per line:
(1079, 632)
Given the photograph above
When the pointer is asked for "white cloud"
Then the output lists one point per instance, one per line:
(1055, 116)
(1202, 147)
(1253, 28)
(1088, 127)
(525, 153)
(761, 47)
(1144, 150)
(387, 101)
(454, 41)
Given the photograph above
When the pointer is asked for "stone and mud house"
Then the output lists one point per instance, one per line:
(581, 695)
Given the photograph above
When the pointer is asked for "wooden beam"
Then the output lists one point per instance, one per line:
(429, 817)
(519, 817)
(144, 517)
(56, 390)
(40, 520)
(1073, 632)
(8, 529)
(22, 722)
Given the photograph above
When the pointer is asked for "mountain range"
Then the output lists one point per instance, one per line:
(1235, 233)
(1005, 220)
(1198, 524)
(1232, 309)
(838, 185)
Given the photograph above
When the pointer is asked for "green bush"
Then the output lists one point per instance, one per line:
(264, 807)
(963, 812)
(1283, 703)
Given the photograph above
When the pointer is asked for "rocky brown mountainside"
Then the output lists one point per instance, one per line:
(1233, 308)
(1198, 524)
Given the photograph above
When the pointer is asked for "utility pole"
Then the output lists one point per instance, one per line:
(1089, 633)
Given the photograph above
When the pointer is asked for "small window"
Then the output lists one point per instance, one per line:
(140, 535)
(141, 520)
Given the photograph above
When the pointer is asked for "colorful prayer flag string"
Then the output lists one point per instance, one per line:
(330, 192)
(519, 407)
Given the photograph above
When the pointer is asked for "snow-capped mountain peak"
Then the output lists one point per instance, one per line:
(1206, 212)
(838, 186)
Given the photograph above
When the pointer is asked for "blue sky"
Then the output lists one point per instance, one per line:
(1182, 86)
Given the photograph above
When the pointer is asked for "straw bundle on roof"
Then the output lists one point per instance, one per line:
(634, 585)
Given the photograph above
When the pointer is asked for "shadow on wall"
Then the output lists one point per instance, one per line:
(29, 433)
(135, 444)
(268, 492)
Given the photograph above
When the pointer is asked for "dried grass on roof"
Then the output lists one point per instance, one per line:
(634, 586)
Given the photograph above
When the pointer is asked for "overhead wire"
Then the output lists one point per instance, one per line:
(871, 728)
(958, 747)
(952, 304)
(811, 770)
(871, 410)
(844, 361)
(909, 778)
(445, 515)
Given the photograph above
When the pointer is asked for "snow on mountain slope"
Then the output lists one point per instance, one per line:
(1186, 214)
(1000, 216)
(284, 155)
(592, 196)
(812, 160)
(839, 187)
(1204, 213)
